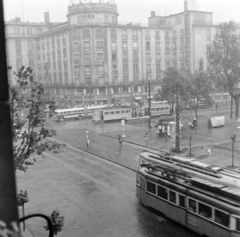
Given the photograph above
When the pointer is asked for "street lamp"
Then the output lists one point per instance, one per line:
(87, 139)
(123, 124)
(233, 138)
(149, 105)
(190, 144)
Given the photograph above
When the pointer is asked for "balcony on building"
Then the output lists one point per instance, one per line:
(86, 48)
(125, 72)
(87, 62)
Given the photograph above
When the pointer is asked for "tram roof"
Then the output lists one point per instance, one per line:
(115, 108)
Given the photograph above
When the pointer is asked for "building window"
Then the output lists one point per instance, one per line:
(135, 67)
(113, 33)
(30, 52)
(125, 67)
(19, 63)
(114, 69)
(148, 46)
(100, 45)
(157, 35)
(148, 68)
(158, 57)
(134, 35)
(135, 45)
(76, 58)
(208, 33)
(124, 34)
(167, 37)
(76, 71)
(125, 56)
(158, 46)
(199, 18)
(99, 33)
(135, 78)
(147, 34)
(100, 70)
(86, 45)
(158, 67)
(87, 57)
(124, 45)
(148, 57)
(114, 46)
(86, 34)
(17, 30)
(39, 30)
(177, 20)
(100, 56)
(114, 57)
(87, 70)
(125, 79)
(75, 47)
(135, 55)
(29, 31)
(75, 35)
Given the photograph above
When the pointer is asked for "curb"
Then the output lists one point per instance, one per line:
(226, 148)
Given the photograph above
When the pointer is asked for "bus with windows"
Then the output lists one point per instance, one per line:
(112, 114)
(205, 207)
(213, 173)
(75, 113)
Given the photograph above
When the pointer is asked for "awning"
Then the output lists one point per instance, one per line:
(137, 98)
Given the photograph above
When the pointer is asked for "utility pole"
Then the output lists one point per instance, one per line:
(231, 112)
(177, 146)
(233, 138)
(149, 105)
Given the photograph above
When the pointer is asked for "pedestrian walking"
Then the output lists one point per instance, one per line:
(88, 143)
(195, 123)
(120, 139)
(216, 107)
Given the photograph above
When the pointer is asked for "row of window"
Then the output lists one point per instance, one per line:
(28, 30)
(128, 111)
(192, 205)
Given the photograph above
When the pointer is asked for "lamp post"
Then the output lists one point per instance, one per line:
(87, 139)
(123, 124)
(190, 144)
(149, 105)
(233, 138)
(177, 144)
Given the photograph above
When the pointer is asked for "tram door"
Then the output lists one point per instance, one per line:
(101, 115)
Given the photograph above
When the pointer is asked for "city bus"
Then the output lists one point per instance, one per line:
(111, 114)
(75, 113)
(213, 173)
(205, 207)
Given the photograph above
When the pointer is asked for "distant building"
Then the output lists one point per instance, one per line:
(92, 58)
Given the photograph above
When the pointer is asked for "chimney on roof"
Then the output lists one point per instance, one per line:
(46, 18)
(18, 19)
(152, 13)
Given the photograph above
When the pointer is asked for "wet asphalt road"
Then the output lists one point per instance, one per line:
(97, 198)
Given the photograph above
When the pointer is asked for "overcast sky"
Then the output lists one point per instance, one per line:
(129, 10)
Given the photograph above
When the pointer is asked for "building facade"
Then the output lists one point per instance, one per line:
(92, 58)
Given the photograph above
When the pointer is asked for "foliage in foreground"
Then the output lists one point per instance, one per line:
(30, 136)
(57, 222)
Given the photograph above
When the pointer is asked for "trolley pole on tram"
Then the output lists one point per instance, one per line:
(233, 138)
(149, 105)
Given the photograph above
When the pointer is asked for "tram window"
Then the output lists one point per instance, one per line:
(151, 187)
(192, 205)
(152, 109)
(166, 108)
(162, 192)
(123, 111)
(172, 197)
(204, 210)
(181, 201)
(162, 108)
(128, 111)
(142, 183)
(117, 112)
(238, 224)
(106, 113)
(222, 218)
(112, 112)
(157, 109)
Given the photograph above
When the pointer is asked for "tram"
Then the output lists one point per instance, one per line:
(157, 109)
(205, 207)
(112, 113)
(216, 174)
(75, 113)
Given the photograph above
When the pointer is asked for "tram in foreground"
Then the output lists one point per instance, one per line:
(157, 109)
(205, 207)
(213, 173)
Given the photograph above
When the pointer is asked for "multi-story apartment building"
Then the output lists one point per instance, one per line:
(94, 58)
